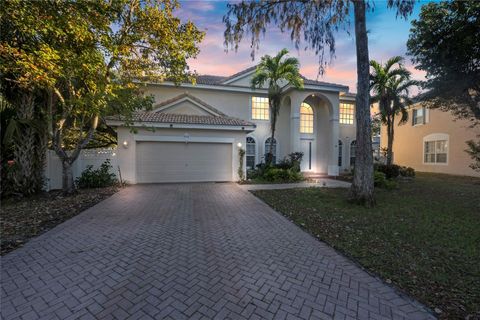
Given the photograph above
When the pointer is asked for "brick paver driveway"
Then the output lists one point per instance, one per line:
(189, 251)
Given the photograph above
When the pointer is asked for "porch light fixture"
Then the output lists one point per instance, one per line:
(125, 144)
(239, 144)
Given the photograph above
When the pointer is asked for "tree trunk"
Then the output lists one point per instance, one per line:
(68, 185)
(362, 188)
(390, 142)
(24, 151)
(273, 126)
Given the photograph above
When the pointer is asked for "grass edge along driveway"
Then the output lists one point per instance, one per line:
(423, 237)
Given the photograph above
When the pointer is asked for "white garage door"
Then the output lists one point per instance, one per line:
(182, 162)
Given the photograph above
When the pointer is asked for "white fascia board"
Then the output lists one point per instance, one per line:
(210, 87)
(116, 123)
(350, 99)
(184, 139)
(332, 88)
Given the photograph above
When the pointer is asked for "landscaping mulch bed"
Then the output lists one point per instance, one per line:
(423, 237)
(24, 218)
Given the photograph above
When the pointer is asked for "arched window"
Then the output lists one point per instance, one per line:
(306, 118)
(274, 149)
(340, 150)
(353, 147)
(250, 153)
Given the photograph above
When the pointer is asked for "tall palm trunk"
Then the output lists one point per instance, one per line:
(390, 135)
(273, 127)
(362, 187)
(28, 177)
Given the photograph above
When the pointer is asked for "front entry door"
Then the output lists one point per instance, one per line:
(308, 161)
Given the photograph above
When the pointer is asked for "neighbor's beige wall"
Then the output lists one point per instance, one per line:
(408, 143)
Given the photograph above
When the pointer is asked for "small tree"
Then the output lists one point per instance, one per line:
(390, 84)
(474, 152)
(276, 72)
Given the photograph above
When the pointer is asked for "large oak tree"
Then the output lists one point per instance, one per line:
(84, 58)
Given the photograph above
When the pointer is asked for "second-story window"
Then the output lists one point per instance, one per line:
(260, 108)
(306, 118)
(347, 111)
(418, 116)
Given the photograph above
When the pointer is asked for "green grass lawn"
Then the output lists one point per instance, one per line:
(423, 236)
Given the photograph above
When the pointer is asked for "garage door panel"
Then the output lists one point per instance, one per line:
(182, 162)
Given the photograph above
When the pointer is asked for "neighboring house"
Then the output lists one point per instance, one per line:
(194, 131)
(432, 141)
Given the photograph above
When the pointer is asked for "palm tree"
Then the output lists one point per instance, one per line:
(276, 72)
(390, 84)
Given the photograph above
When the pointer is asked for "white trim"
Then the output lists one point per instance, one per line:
(325, 87)
(174, 103)
(226, 87)
(241, 76)
(436, 137)
(347, 99)
(185, 138)
(209, 86)
(117, 123)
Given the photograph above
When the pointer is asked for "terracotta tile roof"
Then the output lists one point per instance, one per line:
(239, 73)
(209, 79)
(161, 117)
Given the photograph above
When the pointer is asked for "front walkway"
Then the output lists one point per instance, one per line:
(319, 183)
(189, 251)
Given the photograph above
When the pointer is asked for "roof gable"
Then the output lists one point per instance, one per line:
(187, 104)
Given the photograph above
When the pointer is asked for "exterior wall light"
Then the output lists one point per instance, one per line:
(239, 144)
(125, 144)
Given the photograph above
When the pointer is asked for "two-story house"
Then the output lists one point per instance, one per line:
(194, 131)
(433, 141)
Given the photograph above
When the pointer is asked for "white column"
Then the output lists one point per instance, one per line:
(333, 169)
(333, 148)
(296, 101)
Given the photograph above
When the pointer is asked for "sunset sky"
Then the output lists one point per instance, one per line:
(387, 38)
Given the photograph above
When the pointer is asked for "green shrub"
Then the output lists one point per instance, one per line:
(407, 172)
(99, 178)
(282, 175)
(391, 171)
(381, 181)
(293, 161)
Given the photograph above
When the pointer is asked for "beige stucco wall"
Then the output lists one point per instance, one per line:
(127, 156)
(408, 143)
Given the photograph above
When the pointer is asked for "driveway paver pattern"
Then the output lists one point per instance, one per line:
(189, 251)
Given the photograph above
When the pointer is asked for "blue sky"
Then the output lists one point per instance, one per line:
(387, 37)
